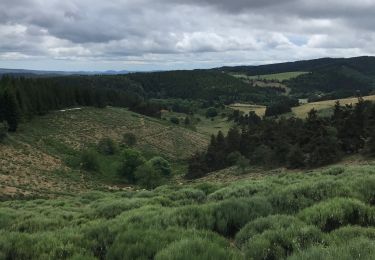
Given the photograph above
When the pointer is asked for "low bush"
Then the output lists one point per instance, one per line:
(341, 235)
(232, 215)
(359, 248)
(260, 225)
(293, 198)
(90, 161)
(145, 244)
(110, 209)
(107, 146)
(332, 214)
(282, 242)
(197, 248)
(129, 139)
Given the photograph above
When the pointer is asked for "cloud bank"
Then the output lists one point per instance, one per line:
(166, 34)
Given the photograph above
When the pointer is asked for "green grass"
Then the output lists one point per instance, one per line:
(297, 215)
(277, 76)
(203, 125)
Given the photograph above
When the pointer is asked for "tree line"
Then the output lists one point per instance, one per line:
(290, 142)
(22, 98)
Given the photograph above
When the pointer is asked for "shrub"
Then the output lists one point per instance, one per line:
(353, 249)
(334, 171)
(3, 132)
(146, 243)
(188, 195)
(90, 161)
(341, 235)
(129, 139)
(260, 225)
(211, 112)
(98, 238)
(131, 159)
(233, 157)
(295, 158)
(231, 215)
(110, 209)
(195, 217)
(107, 146)
(280, 243)
(334, 213)
(161, 165)
(293, 198)
(196, 248)
(242, 164)
(148, 177)
(175, 120)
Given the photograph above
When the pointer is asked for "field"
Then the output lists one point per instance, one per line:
(35, 160)
(302, 110)
(246, 108)
(324, 108)
(277, 76)
(323, 214)
(202, 124)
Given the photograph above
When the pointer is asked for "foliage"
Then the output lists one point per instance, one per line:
(211, 112)
(129, 139)
(107, 146)
(291, 142)
(175, 120)
(195, 249)
(131, 159)
(332, 214)
(192, 220)
(90, 161)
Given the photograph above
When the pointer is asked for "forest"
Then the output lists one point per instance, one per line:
(290, 142)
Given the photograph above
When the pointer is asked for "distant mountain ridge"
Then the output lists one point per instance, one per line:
(365, 64)
(26, 72)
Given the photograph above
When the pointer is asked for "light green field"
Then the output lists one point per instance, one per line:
(276, 76)
(202, 124)
(247, 108)
(324, 108)
(304, 109)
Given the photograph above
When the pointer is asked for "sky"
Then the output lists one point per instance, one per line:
(146, 35)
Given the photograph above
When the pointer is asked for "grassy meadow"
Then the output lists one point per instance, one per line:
(323, 214)
(302, 110)
(324, 108)
(277, 76)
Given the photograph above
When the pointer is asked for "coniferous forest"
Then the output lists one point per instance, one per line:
(291, 142)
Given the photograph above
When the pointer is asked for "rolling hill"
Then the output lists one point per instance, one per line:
(35, 160)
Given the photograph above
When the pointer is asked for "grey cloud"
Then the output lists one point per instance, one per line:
(187, 31)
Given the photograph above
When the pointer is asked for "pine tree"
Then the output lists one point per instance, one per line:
(11, 111)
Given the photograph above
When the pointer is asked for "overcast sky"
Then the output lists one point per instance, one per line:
(180, 34)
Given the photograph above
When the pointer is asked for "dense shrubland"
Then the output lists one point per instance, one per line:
(328, 214)
(292, 142)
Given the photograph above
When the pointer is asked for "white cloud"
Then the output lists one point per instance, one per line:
(163, 34)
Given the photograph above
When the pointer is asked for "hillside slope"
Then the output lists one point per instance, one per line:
(325, 214)
(33, 160)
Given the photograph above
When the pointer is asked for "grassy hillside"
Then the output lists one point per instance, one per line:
(277, 76)
(36, 159)
(302, 110)
(327, 77)
(323, 107)
(325, 214)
